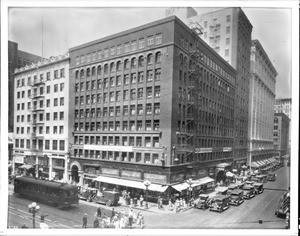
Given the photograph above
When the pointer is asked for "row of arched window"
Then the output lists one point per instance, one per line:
(126, 64)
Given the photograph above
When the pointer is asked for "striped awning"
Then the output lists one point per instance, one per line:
(254, 164)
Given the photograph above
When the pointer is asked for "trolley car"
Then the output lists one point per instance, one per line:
(49, 192)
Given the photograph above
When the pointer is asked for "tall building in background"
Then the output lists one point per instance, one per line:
(16, 59)
(151, 103)
(228, 32)
(283, 105)
(41, 124)
(281, 134)
(261, 103)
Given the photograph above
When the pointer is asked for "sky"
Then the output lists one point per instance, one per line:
(63, 28)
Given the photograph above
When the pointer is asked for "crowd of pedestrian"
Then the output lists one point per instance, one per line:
(117, 220)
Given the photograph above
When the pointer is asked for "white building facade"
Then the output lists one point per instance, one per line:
(41, 129)
(261, 103)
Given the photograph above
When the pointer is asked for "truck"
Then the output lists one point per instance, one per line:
(248, 191)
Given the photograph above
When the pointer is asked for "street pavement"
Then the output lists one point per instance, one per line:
(246, 216)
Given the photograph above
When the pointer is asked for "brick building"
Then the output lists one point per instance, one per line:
(41, 127)
(151, 103)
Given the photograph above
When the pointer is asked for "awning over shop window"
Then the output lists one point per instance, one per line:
(130, 183)
(254, 164)
(201, 181)
(229, 174)
(91, 164)
(25, 166)
(260, 163)
(223, 165)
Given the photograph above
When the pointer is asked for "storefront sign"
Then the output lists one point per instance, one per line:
(108, 148)
(227, 149)
(107, 171)
(30, 160)
(177, 177)
(203, 150)
(155, 178)
(19, 159)
(91, 170)
(131, 174)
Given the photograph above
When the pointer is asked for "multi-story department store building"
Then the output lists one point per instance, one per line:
(151, 103)
(41, 127)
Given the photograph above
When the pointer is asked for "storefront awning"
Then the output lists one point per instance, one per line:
(254, 164)
(25, 166)
(229, 174)
(91, 164)
(260, 163)
(180, 187)
(201, 181)
(223, 165)
(130, 183)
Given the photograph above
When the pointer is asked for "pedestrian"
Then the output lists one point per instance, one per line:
(170, 205)
(160, 203)
(184, 203)
(130, 218)
(113, 213)
(24, 226)
(84, 220)
(96, 221)
(99, 212)
(140, 220)
(141, 201)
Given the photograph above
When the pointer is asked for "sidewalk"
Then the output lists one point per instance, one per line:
(152, 207)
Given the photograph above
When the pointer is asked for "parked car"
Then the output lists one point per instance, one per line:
(221, 190)
(87, 194)
(231, 187)
(236, 197)
(248, 191)
(240, 185)
(261, 179)
(107, 197)
(258, 188)
(203, 202)
(271, 177)
(219, 203)
(284, 205)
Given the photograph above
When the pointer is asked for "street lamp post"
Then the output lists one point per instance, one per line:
(147, 183)
(190, 182)
(33, 208)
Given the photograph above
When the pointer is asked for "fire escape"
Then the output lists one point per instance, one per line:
(37, 115)
(192, 107)
(214, 34)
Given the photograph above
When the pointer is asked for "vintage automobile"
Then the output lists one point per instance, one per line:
(107, 197)
(271, 177)
(231, 187)
(203, 202)
(258, 188)
(222, 190)
(248, 191)
(236, 197)
(219, 203)
(240, 185)
(87, 194)
(260, 179)
(284, 205)
(249, 182)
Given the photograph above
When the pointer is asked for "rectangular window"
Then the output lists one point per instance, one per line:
(55, 88)
(157, 91)
(61, 129)
(54, 144)
(158, 39)
(227, 29)
(55, 102)
(228, 18)
(133, 45)
(149, 92)
(62, 101)
(150, 40)
(126, 47)
(54, 129)
(141, 43)
(106, 52)
(140, 109)
(227, 41)
(61, 145)
(56, 74)
(149, 75)
(140, 77)
(62, 73)
(148, 108)
(119, 49)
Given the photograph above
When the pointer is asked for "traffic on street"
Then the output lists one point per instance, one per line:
(254, 213)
